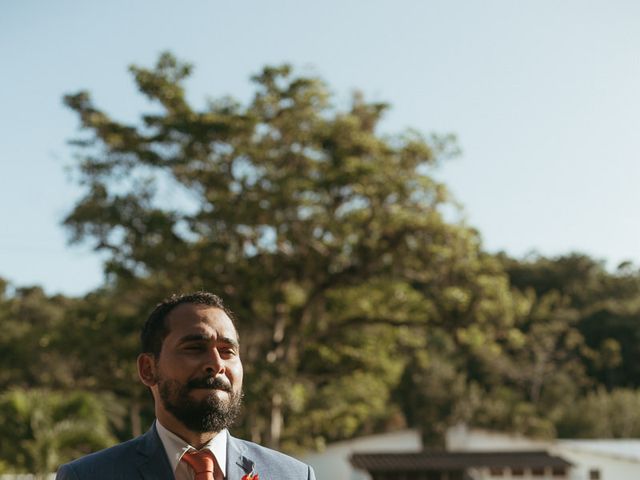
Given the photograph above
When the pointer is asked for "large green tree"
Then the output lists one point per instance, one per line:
(323, 234)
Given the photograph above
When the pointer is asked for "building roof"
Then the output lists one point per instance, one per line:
(441, 460)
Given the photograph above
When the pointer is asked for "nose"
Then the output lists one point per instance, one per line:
(215, 363)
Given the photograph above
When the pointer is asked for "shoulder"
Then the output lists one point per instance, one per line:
(275, 462)
(102, 464)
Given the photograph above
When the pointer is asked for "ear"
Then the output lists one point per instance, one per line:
(147, 369)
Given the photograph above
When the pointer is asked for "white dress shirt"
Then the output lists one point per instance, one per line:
(177, 447)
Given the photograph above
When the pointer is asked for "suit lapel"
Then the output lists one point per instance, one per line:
(238, 464)
(153, 462)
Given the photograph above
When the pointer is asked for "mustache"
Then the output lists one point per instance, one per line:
(210, 382)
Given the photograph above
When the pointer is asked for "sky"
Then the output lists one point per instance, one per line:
(543, 95)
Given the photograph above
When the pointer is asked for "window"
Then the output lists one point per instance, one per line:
(594, 474)
(496, 472)
(517, 472)
(537, 471)
(559, 471)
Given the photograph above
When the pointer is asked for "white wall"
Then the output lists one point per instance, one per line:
(612, 467)
(461, 438)
(333, 463)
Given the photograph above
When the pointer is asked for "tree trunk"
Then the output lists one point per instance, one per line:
(276, 421)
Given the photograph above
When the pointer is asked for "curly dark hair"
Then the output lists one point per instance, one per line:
(155, 329)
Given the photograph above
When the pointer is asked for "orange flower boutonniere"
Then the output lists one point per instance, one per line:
(251, 476)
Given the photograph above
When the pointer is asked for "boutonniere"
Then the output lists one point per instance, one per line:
(251, 476)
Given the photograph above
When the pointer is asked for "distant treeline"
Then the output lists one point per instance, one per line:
(543, 347)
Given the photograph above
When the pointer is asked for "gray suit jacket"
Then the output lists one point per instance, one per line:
(145, 458)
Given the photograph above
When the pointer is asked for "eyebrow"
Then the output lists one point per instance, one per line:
(193, 337)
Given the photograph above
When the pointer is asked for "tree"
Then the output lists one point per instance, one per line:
(40, 429)
(288, 207)
(31, 323)
(602, 414)
(606, 307)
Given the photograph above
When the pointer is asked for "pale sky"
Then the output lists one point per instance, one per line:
(544, 96)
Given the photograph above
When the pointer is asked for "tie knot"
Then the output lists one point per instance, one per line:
(202, 463)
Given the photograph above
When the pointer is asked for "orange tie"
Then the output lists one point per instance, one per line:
(202, 464)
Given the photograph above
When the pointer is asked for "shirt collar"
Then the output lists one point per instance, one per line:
(176, 447)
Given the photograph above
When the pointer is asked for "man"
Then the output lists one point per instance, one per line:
(190, 360)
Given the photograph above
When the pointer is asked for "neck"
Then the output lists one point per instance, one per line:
(195, 439)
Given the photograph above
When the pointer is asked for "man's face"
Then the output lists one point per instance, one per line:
(198, 374)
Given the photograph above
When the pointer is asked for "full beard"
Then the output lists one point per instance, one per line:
(211, 414)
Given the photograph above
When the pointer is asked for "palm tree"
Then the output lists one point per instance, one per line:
(40, 429)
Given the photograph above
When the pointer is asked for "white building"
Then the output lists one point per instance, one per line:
(590, 459)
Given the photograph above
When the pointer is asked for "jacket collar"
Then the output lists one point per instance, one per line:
(153, 463)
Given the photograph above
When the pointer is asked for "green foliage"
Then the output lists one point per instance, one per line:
(29, 321)
(603, 414)
(581, 335)
(434, 392)
(507, 409)
(40, 429)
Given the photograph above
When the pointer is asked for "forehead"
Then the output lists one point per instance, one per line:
(193, 318)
